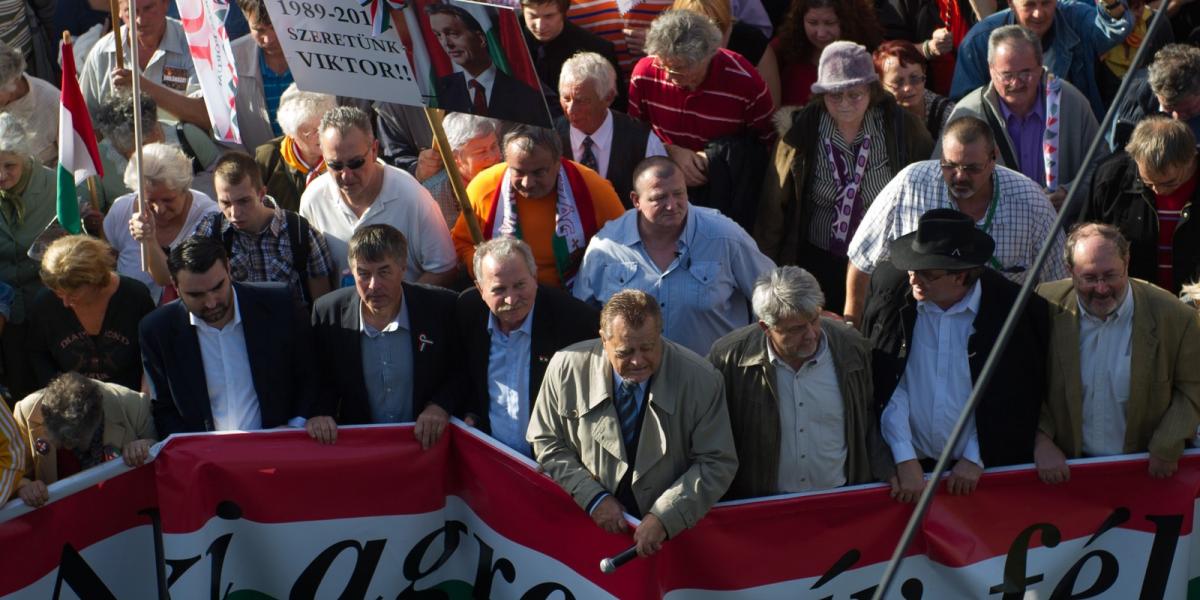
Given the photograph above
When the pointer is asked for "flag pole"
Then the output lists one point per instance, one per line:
(114, 7)
(136, 75)
(434, 116)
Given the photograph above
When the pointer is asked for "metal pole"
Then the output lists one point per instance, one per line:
(434, 116)
(135, 69)
(1006, 332)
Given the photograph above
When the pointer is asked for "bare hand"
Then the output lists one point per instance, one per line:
(430, 425)
(136, 452)
(323, 429)
(964, 477)
(649, 535)
(141, 227)
(470, 420)
(693, 164)
(122, 78)
(1050, 461)
(942, 42)
(1161, 469)
(1056, 197)
(429, 162)
(610, 516)
(908, 481)
(635, 37)
(34, 493)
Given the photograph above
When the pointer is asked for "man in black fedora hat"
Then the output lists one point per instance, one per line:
(933, 315)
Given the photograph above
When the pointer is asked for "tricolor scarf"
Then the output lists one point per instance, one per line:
(574, 219)
(293, 159)
(1050, 141)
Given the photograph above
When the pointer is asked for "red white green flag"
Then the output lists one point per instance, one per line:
(78, 157)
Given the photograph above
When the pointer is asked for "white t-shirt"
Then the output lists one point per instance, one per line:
(402, 203)
(129, 252)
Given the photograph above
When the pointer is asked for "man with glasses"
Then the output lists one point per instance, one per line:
(1123, 375)
(359, 190)
(1147, 191)
(1003, 203)
(798, 385)
(934, 316)
(1042, 124)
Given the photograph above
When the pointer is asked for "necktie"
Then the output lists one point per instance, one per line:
(627, 411)
(589, 158)
(480, 100)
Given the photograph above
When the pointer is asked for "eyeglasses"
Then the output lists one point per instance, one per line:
(675, 72)
(1109, 279)
(352, 164)
(967, 169)
(912, 81)
(1022, 76)
(843, 97)
(931, 275)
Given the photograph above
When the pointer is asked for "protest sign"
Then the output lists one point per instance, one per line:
(208, 41)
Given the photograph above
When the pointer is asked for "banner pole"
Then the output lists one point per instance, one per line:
(434, 116)
(114, 7)
(136, 75)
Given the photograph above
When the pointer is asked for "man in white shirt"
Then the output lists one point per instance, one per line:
(1124, 376)
(607, 142)
(359, 190)
(227, 356)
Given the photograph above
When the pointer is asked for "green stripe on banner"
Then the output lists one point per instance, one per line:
(497, 51)
(68, 204)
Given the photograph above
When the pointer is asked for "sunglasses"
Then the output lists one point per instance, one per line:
(352, 164)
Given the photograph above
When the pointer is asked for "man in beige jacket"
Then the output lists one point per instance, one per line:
(632, 422)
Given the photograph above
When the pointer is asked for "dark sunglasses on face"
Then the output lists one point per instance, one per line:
(352, 164)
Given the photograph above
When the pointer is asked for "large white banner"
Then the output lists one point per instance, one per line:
(204, 23)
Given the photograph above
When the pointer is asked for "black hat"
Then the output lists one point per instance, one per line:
(945, 239)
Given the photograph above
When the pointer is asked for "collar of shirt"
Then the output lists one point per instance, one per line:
(601, 138)
(173, 41)
(617, 385)
(203, 327)
(398, 323)
(1124, 311)
(969, 303)
(1039, 107)
(526, 328)
(275, 226)
(486, 79)
(821, 355)
(627, 233)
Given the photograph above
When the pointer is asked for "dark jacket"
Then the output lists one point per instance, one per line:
(548, 59)
(343, 393)
(783, 210)
(559, 320)
(1006, 418)
(1120, 198)
(511, 99)
(628, 149)
(736, 165)
(278, 342)
(741, 358)
(283, 184)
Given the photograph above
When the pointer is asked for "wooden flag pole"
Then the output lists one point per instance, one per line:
(114, 7)
(460, 191)
(136, 74)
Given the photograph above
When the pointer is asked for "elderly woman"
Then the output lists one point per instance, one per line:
(86, 320)
(114, 121)
(27, 200)
(77, 423)
(834, 157)
(31, 101)
(901, 69)
(475, 145)
(291, 162)
(810, 26)
(743, 38)
(691, 91)
(174, 211)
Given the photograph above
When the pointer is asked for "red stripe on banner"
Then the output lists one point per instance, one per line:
(72, 98)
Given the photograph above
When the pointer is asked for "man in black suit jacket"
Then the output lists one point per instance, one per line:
(463, 39)
(387, 348)
(494, 320)
(552, 39)
(227, 356)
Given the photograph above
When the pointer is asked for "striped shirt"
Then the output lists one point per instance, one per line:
(1170, 213)
(603, 18)
(824, 193)
(14, 457)
(1023, 219)
(731, 99)
(14, 27)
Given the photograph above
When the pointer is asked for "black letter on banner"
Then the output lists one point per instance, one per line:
(1109, 569)
(542, 591)
(1158, 567)
(216, 550)
(80, 577)
(1015, 580)
(912, 589)
(364, 569)
(453, 531)
(485, 571)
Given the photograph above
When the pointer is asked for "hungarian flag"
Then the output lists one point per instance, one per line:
(78, 157)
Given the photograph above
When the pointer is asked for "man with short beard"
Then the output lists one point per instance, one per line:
(1123, 374)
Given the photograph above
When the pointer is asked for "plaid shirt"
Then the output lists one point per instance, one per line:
(1024, 218)
(267, 255)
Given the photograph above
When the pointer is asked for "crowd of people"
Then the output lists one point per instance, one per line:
(765, 248)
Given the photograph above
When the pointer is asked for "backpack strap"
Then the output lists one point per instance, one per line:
(297, 227)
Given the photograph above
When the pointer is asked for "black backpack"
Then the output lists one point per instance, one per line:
(297, 231)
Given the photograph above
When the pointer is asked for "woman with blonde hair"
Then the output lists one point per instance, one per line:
(86, 320)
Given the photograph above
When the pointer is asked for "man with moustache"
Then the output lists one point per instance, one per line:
(511, 327)
(1124, 375)
(227, 356)
(1003, 203)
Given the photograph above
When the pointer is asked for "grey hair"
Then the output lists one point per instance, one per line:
(1159, 141)
(527, 137)
(501, 248)
(787, 292)
(1013, 34)
(114, 119)
(1175, 72)
(12, 64)
(71, 408)
(344, 118)
(589, 66)
(683, 35)
(461, 128)
(14, 138)
(163, 164)
(1190, 294)
(297, 106)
